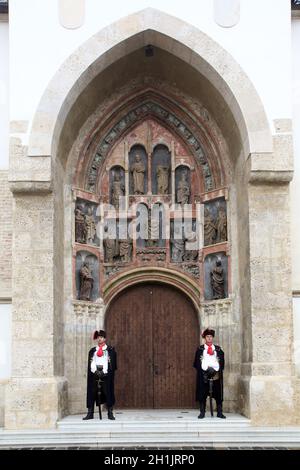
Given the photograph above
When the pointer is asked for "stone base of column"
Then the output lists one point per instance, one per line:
(270, 400)
(35, 403)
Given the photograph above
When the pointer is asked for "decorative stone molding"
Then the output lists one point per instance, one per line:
(132, 117)
(88, 309)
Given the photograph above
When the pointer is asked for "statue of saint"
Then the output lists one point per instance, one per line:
(217, 281)
(178, 246)
(80, 228)
(210, 230)
(221, 225)
(138, 174)
(86, 282)
(125, 249)
(162, 174)
(191, 245)
(153, 229)
(90, 226)
(183, 189)
(109, 245)
(118, 190)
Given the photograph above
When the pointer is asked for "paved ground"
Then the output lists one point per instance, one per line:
(149, 448)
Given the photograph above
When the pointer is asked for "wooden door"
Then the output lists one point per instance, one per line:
(154, 329)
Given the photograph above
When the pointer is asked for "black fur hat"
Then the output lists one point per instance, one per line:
(208, 331)
(99, 333)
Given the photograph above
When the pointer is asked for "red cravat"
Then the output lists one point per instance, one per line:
(210, 350)
(100, 350)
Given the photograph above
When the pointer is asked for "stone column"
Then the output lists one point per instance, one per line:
(269, 385)
(36, 396)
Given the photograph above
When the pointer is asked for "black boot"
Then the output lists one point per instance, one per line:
(90, 414)
(110, 413)
(202, 410)
(219, 412)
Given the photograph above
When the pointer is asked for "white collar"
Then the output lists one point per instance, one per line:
(213, 346)
(103, 349)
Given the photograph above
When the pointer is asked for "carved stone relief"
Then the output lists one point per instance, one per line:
(86, 220)
(133, 116)
(215, 222)
(161, 170)
(184, 241)
(87, 276)
(216, 276)
(183, 185)
(138, 170)
(116, 185)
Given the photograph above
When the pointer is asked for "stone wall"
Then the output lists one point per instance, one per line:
(6, 205)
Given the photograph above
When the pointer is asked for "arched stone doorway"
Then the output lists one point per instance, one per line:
(154, 328)
(63, 129)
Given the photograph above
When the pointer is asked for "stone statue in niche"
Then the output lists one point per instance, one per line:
(221, 225)
(118, 190)
(162, 174)
(153, 230)
(80, 228)
(210, 229)
(178, 246)
(90, 226)
(109, 245)
(86, 282)
(183, 189)
(191, 245)
(138, 174)
(125, 250)
(217, 281)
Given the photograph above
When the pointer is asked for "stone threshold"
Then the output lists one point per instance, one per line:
(154, 428)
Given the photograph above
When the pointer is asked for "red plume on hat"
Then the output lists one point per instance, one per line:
(208, 331)
(96, 334)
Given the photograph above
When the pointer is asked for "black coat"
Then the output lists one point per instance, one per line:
(91, 395)
(202, 388)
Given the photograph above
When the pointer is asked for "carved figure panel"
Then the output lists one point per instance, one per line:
(183, 185)
(138, 167)
(215, 222)
(142, 225)
(216, 276)
(161, 170)
(116, 185)
(86, 221)
(184, 241)
(87, 276)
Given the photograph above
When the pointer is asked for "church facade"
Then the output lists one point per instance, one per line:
(150, 192)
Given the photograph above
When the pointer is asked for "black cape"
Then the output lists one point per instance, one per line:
(91, 395)
(202, 388)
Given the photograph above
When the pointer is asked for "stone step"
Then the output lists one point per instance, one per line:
(154, 429)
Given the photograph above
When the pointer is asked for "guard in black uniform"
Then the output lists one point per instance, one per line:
(210, 363)
(102, 363)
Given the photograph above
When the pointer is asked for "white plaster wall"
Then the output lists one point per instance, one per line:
(260, 42)
(295, 186)
(5, 341)
(4, 107)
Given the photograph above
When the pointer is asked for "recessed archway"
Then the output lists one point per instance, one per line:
(69, 102)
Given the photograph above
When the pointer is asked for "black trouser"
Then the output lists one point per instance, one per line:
(103, 396)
